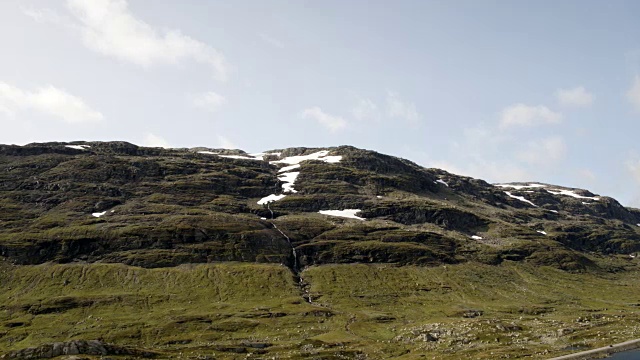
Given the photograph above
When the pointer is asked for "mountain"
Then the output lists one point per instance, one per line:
(113, 249)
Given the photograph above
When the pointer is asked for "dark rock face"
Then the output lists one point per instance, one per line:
(156, 207)
(76, 347)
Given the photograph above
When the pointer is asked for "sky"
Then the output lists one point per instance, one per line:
(502, 90)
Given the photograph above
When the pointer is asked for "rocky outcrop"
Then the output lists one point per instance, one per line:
(76, 347)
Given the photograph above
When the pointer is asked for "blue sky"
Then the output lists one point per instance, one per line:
(542, 91)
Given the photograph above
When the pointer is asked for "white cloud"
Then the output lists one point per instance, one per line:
(587, 175)
(366, 110)
(44, 16)
(109, 28)
(578, 97)
(225, 143)
(525, 115)
(397, 108)
(544, 152)
(633, 167)
(48, 100)
(333, 123)
(633, 95)
(153, 140)
(271, 40)
(209, 101)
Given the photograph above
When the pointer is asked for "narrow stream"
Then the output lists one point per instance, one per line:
(296, 270)
(293, 249)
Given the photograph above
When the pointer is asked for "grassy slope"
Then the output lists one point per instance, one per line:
(374, 310)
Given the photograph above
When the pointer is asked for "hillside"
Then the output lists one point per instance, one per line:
(301, 253)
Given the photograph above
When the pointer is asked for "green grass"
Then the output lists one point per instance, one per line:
(358, 310)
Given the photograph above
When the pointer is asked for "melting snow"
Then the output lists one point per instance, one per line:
(320, 155)
(240, 157)
(98, 214)
(442, 182)
(289, 168)
(263, 218)
(207, 152)
(476, 237)
(289, 179)
(572, 194)
(260, 156)
(518, 187)
(554, 211)
(380, 197)
(541, 232)
(270, 198)
(78, 147)
(521, 198)
(347, 213)
(286, 176)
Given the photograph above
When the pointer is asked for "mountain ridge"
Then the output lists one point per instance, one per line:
(350, 243)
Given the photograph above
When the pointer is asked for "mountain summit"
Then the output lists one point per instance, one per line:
(76, 216)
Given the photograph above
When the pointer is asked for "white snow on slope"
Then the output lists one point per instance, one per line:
(476, 237)
(78, 147)
(541, 232)
(286, 175)
(320, 155)
(289, 179)
(289, 168)
(260, 156)
(571, 193)
(240, 157)
(521, 198)
(98, 214)
(518, 187)
(257, 156)
(442, 182)
(554, 211)
(270, 198)
(347, 213)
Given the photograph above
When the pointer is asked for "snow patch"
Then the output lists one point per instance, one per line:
(289, 168)
(380, 197)
(518, 187)
(78, 147)
(541, 232)
(240, 157)
(270, 198)
(554, 211)
(571, 193)
(476, 237)
(98, 214)
(320, 155)
(263, 218)
(260, 156)
(442, 182)
(346, 213)
(521, 198)
(207, 152)
(288, 180)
